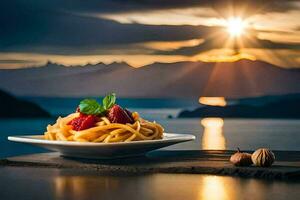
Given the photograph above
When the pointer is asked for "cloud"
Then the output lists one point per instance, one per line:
(9, 61)
(49, 26)
(221, 42)
(48, 31)
(134, 5)
(63, 27)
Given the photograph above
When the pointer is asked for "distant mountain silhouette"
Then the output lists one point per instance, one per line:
(12, 107)
(285, 107)
(164, 80)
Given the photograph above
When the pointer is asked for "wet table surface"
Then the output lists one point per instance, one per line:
(29, 183)
(161, 174)
(286, 166)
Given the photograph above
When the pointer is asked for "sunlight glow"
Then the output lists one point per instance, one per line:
(213, 101)
(213, 137)
(235, 26)
(171, 45)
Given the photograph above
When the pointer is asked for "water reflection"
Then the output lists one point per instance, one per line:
(47, 183)
(109, 187)
(213, 137)
(215, 188)
(78, 186)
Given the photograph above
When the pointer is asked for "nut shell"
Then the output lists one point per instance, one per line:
(241, 159)
(263, 157)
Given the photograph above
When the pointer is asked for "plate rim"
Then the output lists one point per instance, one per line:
(27, 139)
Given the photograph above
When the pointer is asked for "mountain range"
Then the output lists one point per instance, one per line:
(243, 78)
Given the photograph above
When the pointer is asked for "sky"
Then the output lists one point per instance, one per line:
(141, 32)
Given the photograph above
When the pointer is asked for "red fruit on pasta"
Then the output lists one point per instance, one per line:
(118, 115)
(128, 113)
(83, 122)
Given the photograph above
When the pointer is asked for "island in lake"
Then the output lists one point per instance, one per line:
(12, 107)
(284, 107)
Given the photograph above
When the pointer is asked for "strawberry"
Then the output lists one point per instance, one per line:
(118, 115)
(128, 113)
(83, 122)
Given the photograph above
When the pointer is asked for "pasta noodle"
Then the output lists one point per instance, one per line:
(105, 131)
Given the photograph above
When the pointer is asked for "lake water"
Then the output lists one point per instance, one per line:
(211, 133)
(155, 107)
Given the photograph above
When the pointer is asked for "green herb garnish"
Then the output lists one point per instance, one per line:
(109, 101)
(92, 107)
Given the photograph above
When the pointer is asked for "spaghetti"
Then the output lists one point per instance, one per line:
(104, 130)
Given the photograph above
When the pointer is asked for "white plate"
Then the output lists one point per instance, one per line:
(103, 150)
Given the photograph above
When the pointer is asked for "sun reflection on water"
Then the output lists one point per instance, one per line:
(213, 137)
(81, 186)
(214, 188)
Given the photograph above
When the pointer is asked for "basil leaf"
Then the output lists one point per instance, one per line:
(91, 107)
(109, 101)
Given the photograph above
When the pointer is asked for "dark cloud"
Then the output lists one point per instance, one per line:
(18, 61)
(223, 7)
(267, 44)
(58, 26)
(121, 6)
(219, 42)
(26, 28)
(110, 6)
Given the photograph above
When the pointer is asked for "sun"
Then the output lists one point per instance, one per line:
(235, 26)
